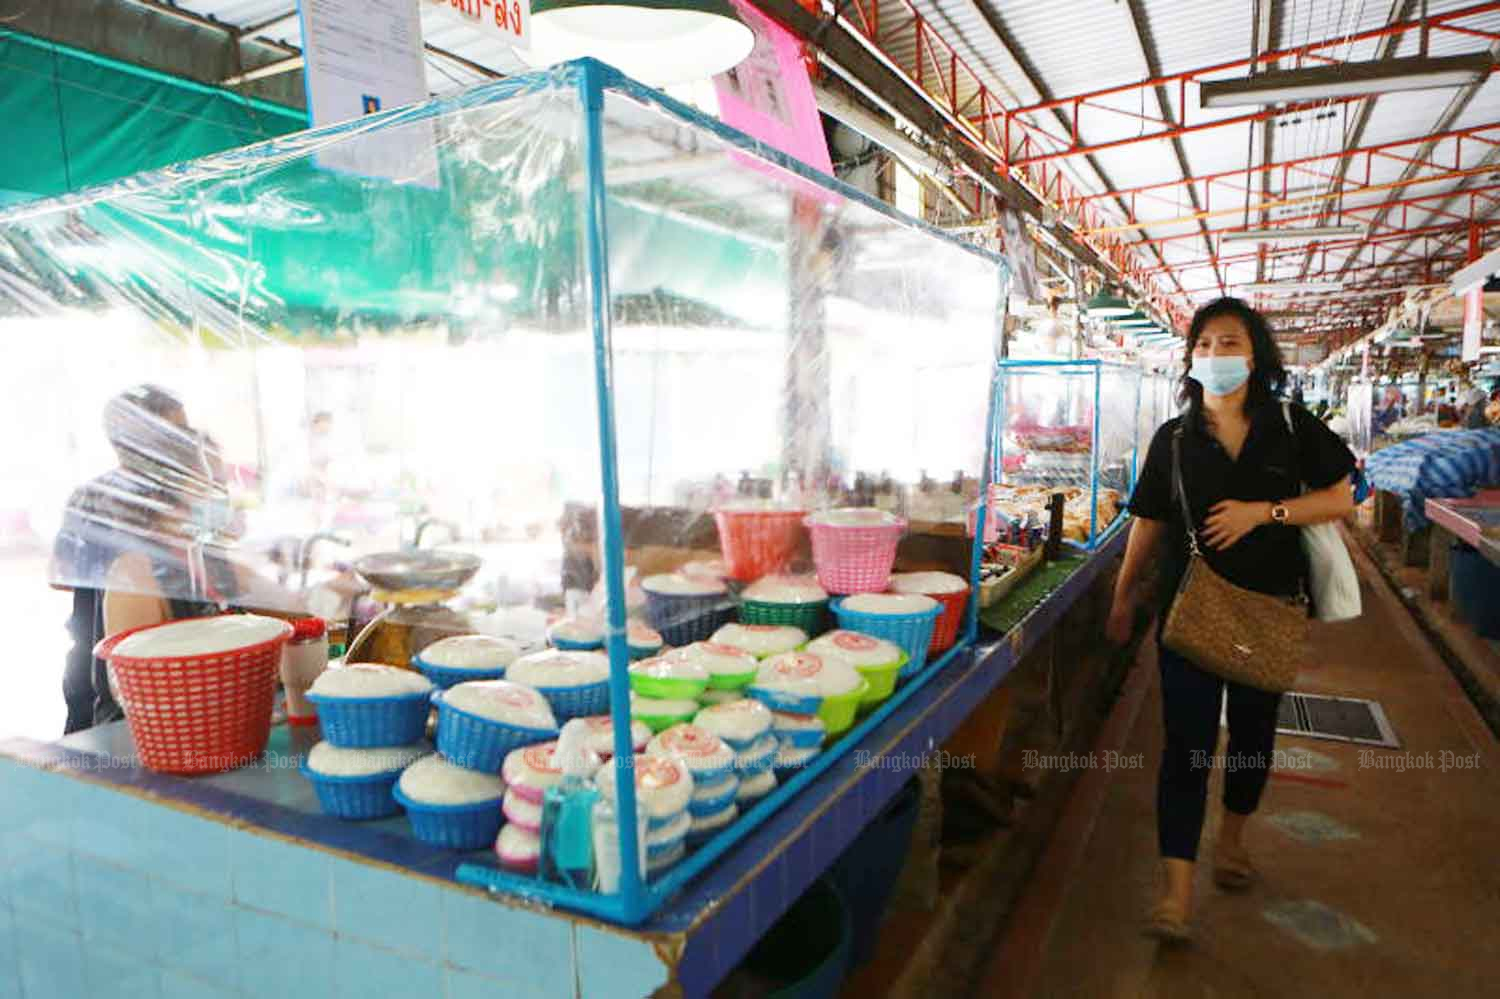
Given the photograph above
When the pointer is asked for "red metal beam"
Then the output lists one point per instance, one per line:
(1332, 246)
(1472, 132)
(1354, 210)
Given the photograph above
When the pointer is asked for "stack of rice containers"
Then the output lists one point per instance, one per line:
(711, 761)
(374, 718)
(663, 790)
(812, 694)
(454, 799)
(747, 727)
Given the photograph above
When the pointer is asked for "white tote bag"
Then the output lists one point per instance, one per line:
(1332, 583)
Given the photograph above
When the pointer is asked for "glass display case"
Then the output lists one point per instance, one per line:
(539, 332)
(1071, 427)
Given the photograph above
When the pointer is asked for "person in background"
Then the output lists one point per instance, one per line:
(1391, 410)
(1492, 408)
(131, 540)
(1243, 469)
(1473, 415)
(1298, 397)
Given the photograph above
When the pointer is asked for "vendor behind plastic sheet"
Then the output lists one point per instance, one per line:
(137, 540)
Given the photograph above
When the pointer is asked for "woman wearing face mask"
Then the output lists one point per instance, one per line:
(1243, 469)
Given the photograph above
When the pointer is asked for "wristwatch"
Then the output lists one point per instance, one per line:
(1279, 513)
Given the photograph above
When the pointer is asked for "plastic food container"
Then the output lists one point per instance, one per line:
(797, 601)
(518, 848)
(757, 539)
(947, 589)
(706, 756)
(878, 660)
(461, 658)
(668, 678)
(911, 631)
(838, 710)
(686, 609)
(799, 731)
(576, 684)
(198, 694)
(574, 634)
(642, 642)
(854, 549)
(449, 807)
(477, 742)
(659, 715)
(728, 668)
(712, 798)
(356, 784)
(761, 640)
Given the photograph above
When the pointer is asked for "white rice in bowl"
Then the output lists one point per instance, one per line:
(369, 680)
(432, 780)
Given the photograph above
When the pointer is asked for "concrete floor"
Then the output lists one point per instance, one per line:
(1375, 882)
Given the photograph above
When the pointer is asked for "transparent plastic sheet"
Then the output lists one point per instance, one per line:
(1360, 415)
(339, 367)
(1070, 427)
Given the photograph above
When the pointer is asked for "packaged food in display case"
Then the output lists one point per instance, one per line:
(1068, 427)
(585, 332)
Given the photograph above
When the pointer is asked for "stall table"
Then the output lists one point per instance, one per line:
(119, 875)
(1474, 521)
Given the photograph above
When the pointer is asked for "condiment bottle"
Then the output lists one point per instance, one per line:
(304, 657)
(567, 854)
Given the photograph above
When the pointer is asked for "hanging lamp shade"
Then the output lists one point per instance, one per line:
(1132, 319)
(1106, 304)
(659, 42)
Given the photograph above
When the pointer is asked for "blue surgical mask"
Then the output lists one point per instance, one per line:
(1220, 375)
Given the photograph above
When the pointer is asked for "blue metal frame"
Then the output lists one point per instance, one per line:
(1096, 369)
(636, 901)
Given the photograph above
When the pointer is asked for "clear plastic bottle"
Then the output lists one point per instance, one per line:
(567, 855)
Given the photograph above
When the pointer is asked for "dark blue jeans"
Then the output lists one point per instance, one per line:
(1190, 699)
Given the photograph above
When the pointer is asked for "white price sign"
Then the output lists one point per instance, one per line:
(509, 19)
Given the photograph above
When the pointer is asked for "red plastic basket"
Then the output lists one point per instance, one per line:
(945, 631)
(758, 543)
(197, 714)
(854, 558)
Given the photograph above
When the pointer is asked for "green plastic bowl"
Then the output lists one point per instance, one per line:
(667, 688)
(731, 681)
(811, 618)
(882, 681)
(838, 712)
(660, 723)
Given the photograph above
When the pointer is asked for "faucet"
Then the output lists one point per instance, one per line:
(304, 550)
(434, 522)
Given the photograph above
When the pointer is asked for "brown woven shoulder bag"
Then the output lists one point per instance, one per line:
(1251, 638)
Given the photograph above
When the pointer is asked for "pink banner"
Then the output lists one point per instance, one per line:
(769, 95)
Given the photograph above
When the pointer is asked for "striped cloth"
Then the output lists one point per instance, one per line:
(1449, 463)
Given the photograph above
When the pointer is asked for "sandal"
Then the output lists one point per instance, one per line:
(1233, 870)
(1168, 922)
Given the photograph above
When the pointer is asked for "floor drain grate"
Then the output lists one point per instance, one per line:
(1341, 719)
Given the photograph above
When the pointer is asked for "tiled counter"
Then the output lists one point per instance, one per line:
(121, 882)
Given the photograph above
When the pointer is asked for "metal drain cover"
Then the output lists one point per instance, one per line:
(1340, 719)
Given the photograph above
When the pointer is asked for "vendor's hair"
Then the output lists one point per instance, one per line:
(1268, 372)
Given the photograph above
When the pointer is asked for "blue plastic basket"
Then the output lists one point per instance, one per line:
(453, 827)
(443, 677)
(367, 722)
(682, 619)
(701, 777)
(708, 806)
(356, 798)
(467, 740)
(577, 702)
(644, 651)
(781, 700)
(913, 632)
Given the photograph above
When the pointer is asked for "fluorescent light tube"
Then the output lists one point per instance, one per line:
(1346, 79)
(1305, 234)
(1475, 274)
(1291, 287)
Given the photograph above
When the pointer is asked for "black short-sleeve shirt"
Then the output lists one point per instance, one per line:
(1271, 467)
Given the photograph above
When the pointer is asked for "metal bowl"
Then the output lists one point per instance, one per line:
(417, 570)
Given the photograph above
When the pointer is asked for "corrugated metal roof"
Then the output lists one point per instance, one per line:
(1080, 46)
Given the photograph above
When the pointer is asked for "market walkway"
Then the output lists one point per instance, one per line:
(1375, 881)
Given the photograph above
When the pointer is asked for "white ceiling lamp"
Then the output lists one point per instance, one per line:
(1303, 234)
(659, 42)
(1292, 287)
(1475, 274)
(1346, 79)
(886, 134)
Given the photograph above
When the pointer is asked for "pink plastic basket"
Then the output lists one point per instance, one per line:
(854, 558)
(758, 543)
(197, 714)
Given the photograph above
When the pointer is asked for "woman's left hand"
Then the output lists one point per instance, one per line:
(1231, 520)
